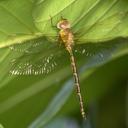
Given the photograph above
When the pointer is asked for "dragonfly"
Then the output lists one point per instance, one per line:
(41, 65)
(67, 38)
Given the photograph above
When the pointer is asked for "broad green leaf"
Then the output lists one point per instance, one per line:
(93, 20)
(16, 23)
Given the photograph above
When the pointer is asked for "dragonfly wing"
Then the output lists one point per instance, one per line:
(35, 57)
(33, 46)
(32, 65)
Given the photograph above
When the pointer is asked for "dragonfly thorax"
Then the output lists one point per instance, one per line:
(63, 24)
(66, 34)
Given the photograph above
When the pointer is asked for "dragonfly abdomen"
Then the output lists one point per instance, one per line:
(77, 84)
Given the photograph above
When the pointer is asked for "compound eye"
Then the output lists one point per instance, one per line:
(59, 26)
(64, 24)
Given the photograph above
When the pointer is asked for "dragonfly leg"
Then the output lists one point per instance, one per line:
(54, 26)
(60, 41)
(62, 18)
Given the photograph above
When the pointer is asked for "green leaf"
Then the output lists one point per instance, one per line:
(93, 20)
(54, 106)
(16, 23)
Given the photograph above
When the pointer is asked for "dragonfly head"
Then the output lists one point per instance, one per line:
(63, 24)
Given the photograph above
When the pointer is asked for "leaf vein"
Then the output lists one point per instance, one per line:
(14, 16)
(106, 11)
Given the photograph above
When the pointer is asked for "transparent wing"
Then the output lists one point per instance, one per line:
(33, 46)
(40, 56)
(35, 57)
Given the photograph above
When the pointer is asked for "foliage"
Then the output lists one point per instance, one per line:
(101, 32)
